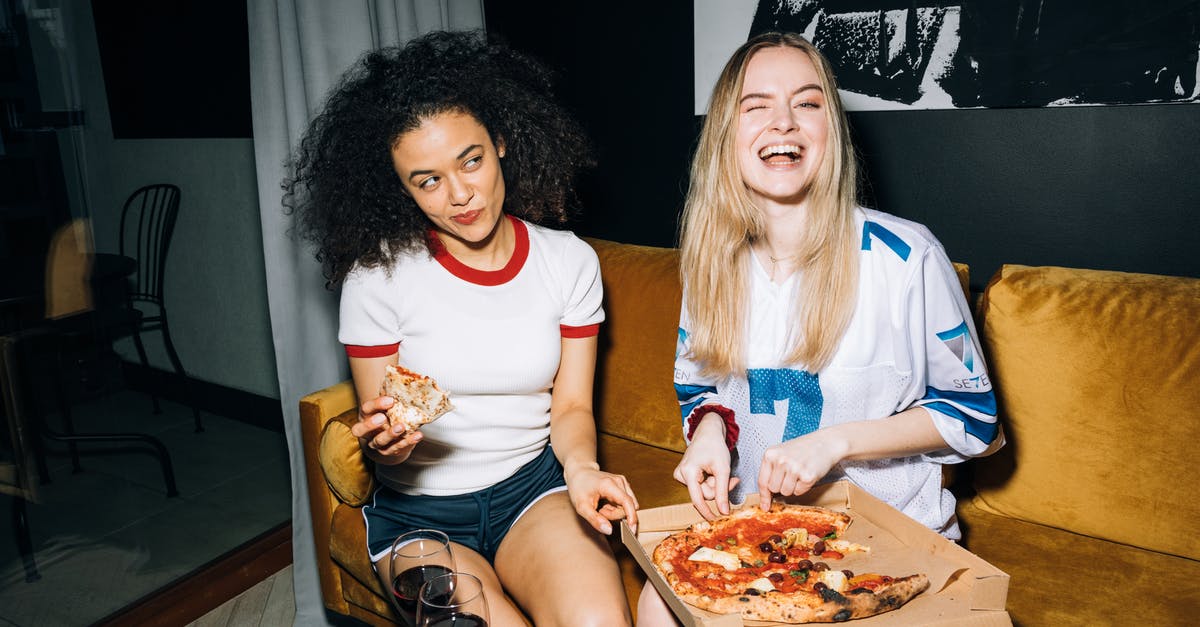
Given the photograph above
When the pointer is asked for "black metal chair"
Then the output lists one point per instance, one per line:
(147, 224)
(72, 350)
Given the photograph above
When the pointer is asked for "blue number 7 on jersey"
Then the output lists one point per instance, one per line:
(802, 390)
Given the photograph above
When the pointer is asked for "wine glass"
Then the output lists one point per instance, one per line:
(417, 557)
(452, 600)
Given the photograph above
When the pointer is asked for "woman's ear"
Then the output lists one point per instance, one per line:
(500, 147)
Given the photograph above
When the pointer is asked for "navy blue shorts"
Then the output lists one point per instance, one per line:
(391, 513)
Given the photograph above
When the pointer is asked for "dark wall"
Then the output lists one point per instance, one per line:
(1110, 187)
(1089, 187)
(625, 69)
(177, 69)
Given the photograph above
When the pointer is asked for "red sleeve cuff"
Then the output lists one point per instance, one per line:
(575, 332)
(372, 351)
(726, 414)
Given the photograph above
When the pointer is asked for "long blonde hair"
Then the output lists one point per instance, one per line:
(720, 222)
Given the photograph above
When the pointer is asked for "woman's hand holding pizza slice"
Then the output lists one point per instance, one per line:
(389, 425)
(377, 435)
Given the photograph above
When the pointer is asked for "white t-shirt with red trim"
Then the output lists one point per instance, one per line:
(492, 339)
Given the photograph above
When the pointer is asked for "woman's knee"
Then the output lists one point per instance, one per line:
(593, 613)
(652, 610)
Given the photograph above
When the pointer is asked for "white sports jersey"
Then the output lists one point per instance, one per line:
(491, 339)
(911, 342)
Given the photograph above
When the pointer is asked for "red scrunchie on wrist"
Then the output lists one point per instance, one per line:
(726, 414)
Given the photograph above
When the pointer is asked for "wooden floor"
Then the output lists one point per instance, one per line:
(267, 604)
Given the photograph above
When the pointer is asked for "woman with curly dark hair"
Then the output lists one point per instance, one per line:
(422, 184)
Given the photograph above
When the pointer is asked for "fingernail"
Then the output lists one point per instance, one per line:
(606, 528)
(379, 420)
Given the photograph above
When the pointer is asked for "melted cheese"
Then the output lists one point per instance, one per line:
(762, 584)
(728, 561)
(835, 579)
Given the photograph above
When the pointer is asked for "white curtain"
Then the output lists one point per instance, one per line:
(298, 49)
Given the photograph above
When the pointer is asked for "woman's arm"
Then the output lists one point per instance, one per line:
(709, 429)
(598, 496)
(378, 441)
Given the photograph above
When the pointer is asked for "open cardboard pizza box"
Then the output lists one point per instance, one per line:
(964, 589)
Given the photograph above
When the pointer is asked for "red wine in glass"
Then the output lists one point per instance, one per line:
(458, 619)
(408, 583)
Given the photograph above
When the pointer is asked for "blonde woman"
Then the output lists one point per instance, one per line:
(818, 339)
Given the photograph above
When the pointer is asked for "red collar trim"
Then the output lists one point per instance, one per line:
(486, 277)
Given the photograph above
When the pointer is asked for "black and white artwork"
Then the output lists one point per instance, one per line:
(947, 54)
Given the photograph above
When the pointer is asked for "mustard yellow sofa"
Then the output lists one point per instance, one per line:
(1092, 508)
(1089, 508)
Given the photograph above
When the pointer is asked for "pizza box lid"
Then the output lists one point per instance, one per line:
(964, 589)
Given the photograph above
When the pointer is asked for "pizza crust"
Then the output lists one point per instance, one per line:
(831, 607)
(419, 400)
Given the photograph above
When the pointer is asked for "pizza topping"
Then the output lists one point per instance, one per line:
(833, 579)
(762, 584)
(728, 561)
(842, 546)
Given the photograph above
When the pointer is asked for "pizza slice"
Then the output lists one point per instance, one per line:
(419, 400)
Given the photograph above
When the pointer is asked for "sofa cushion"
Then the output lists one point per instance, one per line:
(647, 468)
(1054, 575)
(348, 548)
(1095, 376)
(636, 361)
(345, 467)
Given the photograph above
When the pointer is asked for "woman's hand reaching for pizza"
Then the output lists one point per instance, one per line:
(793, 467)
(705, 468)
(601, 497)
(378, 439)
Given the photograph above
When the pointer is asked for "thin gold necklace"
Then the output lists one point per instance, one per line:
(775, 261)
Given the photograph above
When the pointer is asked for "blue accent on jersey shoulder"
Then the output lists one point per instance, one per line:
(982, 402)
(889, 238)
(802, 391)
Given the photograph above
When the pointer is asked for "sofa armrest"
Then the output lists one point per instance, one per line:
(317, 409)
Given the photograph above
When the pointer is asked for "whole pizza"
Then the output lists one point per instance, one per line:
(778, 565)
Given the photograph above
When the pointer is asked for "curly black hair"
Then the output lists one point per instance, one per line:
(348, 200)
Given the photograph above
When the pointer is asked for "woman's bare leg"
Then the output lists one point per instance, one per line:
(652, 610)
(560, 570)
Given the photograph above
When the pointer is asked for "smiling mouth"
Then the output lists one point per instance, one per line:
(781, 154)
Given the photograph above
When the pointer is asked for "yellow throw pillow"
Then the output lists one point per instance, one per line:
(346, 469)
(1096, 380)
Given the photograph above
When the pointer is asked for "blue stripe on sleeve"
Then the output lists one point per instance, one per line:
(690, 396)
(982, 402)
